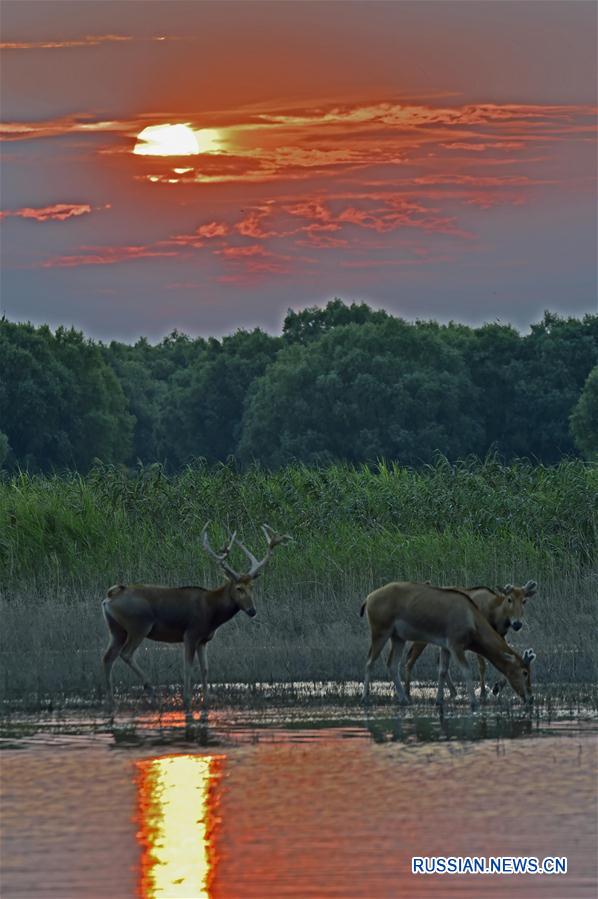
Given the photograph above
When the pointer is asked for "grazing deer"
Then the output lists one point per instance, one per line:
(403, 611)
(502, 610)
(188, 615)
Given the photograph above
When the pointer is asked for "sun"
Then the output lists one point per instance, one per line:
(175, 140)
(166, 140)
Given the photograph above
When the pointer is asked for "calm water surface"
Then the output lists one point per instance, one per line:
(278, 803)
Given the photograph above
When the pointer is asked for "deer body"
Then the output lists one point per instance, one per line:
(502, 610)
(172, 612)
(447, 617)
(188, 615)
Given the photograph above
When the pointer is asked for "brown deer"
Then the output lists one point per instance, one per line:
(188, 615)
(403, 611)
(502, 610)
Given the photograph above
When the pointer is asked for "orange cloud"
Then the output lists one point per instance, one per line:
(479, 180)
(105, 256)
(89, 40)
(481, 147)
(213, 229)
(14, 131)
(58, 212)
(251, 224)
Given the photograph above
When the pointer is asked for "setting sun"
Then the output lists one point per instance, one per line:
(166, 140)
(175, 140)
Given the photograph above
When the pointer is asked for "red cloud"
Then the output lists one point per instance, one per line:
(59, 212)
(322, 241)
(243, 252)
(310, 209)
(251, 225)
(213, 229)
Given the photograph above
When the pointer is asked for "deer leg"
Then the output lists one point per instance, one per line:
(415, 650)
(189, 655)
(450, 684)
(110, 656)
(394, 659)
(443, 674)
(458, 654)
(128, 651)
(118, 637)
(202, 654)
(482, 667)
(376, 647)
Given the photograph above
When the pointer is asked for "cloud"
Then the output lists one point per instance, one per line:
(479, 180)
(105, 256)
(481, 147)
(243, 251)
(88, 40)
(322, 241)
(65, 125)
(251, 224)
(343, 178)
(213, 229)
(58, 212)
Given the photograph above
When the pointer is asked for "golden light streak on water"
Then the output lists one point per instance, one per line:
(176, 815)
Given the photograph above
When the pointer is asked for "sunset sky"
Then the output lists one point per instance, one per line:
(434, 159)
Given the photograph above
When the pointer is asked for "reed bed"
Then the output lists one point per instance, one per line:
(64, 539)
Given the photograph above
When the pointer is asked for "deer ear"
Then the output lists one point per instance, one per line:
(508, 588)
(528, 657)
(530, 588)
(508, 656)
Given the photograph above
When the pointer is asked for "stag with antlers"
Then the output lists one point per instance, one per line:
(188, 615)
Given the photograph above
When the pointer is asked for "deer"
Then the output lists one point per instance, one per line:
(187, 615)
(502, 609)
(447, 617)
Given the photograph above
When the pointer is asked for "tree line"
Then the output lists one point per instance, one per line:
(344, 382)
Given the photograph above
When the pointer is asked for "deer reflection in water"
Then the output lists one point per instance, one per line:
(177, 818)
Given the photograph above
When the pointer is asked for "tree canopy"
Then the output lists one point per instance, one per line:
(343, 382)
(584, 418)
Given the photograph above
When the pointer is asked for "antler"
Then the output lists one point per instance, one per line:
(221, 556)
(273, 539)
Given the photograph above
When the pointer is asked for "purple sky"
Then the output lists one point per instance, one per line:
(434, 159)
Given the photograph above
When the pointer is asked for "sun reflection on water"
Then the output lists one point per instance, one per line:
(177, 817)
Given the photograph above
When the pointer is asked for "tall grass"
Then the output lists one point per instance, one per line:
(65, 539)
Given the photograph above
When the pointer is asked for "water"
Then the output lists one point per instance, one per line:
(281, 802)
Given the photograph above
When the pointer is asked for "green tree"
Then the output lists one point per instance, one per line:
(584, 418)
(359, 393)
(313, 322)
(4, 448)
(96, 416)
(60, 403)
(554, 362)
(202, 413)
(150, 376)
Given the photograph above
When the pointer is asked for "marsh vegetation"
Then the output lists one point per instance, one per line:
(65, 539)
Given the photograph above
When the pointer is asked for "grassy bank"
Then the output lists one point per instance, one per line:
(64, 540)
